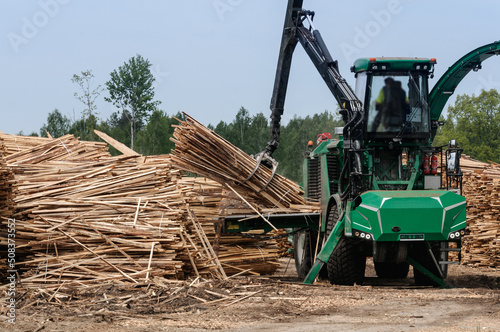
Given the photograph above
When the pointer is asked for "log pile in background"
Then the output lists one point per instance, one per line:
(481, 187)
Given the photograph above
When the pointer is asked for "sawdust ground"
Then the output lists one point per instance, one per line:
(272, 303)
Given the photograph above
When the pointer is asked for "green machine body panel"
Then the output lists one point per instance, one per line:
(418, 215)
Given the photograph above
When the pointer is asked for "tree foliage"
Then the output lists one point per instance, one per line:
(154, 138)
(474, 121)
(88, 97)
(131, 90)
(294, 137)
(57, 125)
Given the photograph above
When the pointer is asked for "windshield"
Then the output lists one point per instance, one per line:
(398, 104)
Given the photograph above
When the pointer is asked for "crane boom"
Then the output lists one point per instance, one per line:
(298, 27)
(295, 31)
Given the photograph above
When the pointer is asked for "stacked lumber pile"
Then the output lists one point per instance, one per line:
(481, 187)
(6, 208)
(207, 200)
(110, 218)
(201, 151)
(32, 150)
(83, 217)
(16, 143)
(6, 189)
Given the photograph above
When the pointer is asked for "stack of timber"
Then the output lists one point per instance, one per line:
(481, 187)
(32, 150)
(207, 201)
(83, 217)
(6, 189)
(80, 222)
(6, 209)
(201, 151)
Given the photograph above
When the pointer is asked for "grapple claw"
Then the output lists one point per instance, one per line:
(264, 158)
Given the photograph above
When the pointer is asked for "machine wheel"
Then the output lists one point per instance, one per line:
(302, 252)
(422, 256)
(304, 244)
(347, 263)
(392, 270)
(390, 260)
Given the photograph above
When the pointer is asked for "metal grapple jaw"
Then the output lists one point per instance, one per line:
(265, 159)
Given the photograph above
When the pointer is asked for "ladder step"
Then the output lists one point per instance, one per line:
(448, 263)
(449, 249)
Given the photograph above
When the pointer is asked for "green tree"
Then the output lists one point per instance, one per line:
(474, 122)
(240, 128)
(250, 134)
(131, 90)
(117, 126)
(258, 133)
(84, 127)
(57, 125)
(87, 97)
(294, 137)
(33, 133)
(154, 138)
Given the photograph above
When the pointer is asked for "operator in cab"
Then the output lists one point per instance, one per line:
(391, 105)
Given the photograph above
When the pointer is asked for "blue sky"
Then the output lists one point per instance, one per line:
(210, 57)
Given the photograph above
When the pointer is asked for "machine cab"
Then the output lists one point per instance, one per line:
(394, 92)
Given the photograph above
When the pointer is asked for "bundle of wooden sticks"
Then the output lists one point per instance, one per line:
(482, 189)
(83, 216)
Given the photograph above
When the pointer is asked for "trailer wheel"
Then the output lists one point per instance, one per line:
(304, 244)
(347, 263)
(302, 252)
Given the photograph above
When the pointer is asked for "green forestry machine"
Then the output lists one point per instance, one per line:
(385, 191)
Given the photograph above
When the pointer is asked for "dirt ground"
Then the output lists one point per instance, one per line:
(271, 303)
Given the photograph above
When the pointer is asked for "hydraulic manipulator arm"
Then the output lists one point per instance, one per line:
(295, 31)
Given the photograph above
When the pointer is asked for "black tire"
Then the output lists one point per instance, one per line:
(392, 270)
(347, 263)
(421, 254)
(302, 244)
(390, 260)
